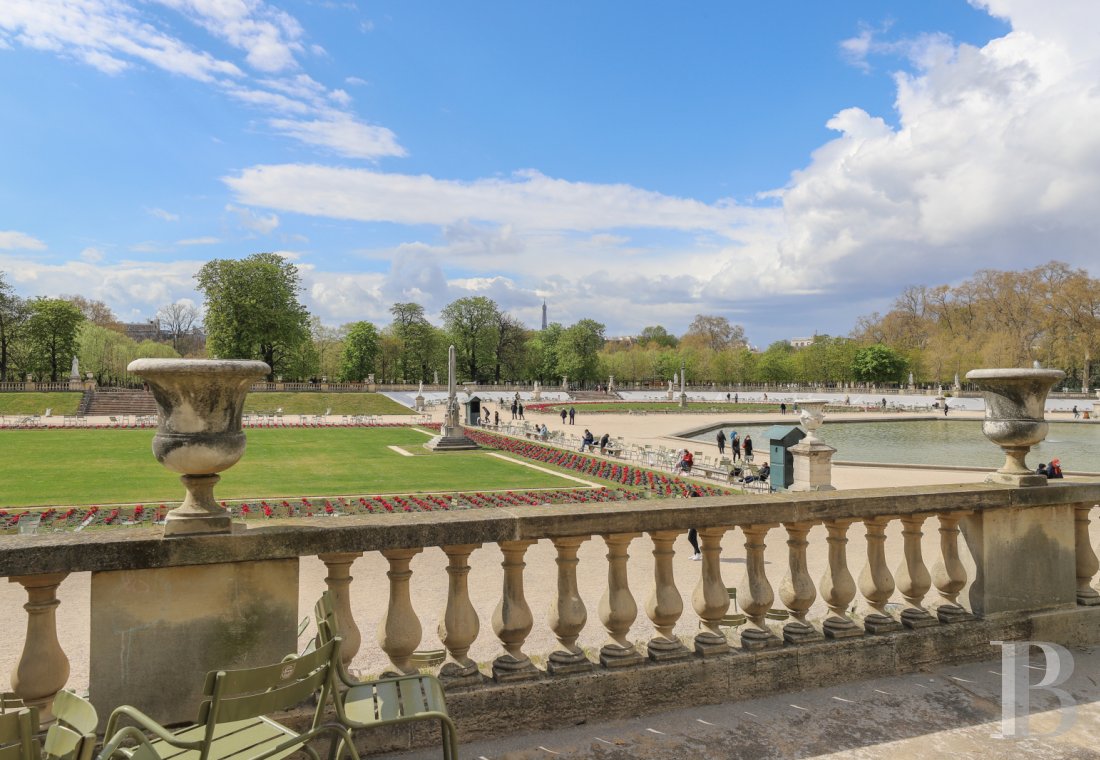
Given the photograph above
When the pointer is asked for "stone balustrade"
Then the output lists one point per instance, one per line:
(1027, 570)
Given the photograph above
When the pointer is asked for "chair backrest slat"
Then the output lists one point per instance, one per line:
(231, 709)
(17, 735)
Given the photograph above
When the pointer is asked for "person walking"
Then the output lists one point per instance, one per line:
(513, 409)
(693, 535)
(1076, 413)
(735, 445)
(748, 448)
(496, 418)
(563, 415)
(572, 415)
(520, 403)
(721, 438)
(783, 408)
(945, 407)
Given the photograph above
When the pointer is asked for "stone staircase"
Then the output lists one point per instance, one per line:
(115, 403)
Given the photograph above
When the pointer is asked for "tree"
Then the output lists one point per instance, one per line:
(178, 320)
(360, 351)
(96, 312)
(471, 323)
(578, 351)
(326, 348)
(776, 364)
(509, 339)
(714, 332)
(252, 309)
(659, 336)
(13, 317)
(878, 364)
(51, 333)
(417, 340)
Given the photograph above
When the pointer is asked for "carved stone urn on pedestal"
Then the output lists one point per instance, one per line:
(198, 431)
(1014, 405)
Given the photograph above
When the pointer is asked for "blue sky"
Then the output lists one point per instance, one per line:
(790, 165)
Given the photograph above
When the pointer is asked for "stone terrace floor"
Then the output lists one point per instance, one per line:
(944, 712)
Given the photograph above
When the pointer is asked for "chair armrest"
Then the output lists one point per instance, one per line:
(145, 723)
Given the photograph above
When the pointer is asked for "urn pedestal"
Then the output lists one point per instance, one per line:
(199, 433)
(1014, 419)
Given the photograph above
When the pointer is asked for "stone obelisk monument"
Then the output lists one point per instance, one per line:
(451, 437)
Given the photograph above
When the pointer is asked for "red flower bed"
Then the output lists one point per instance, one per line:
(618, 472)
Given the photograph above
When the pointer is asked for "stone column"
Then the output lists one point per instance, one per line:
(459, 626)
(755, 592)
(617, 606)
(664, 605)
(512, 619)
(949, 573)
(399, 631)
(912, 574)
(838, 589)
(797, 589)
(876, 583)
(43, 668)
(1087, 564)
(711, 599)
(567, 614)
(338, 581)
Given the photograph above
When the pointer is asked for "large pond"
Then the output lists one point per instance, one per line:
(936, 442)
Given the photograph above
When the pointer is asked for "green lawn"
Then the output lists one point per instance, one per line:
(81, 467)
(36, 403)
(622, 407)
(317, 403)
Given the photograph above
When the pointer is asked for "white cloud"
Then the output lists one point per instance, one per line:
(199, 241)
(115, 35)
(250, 220)
(10, 240)
(163, 215)
(529, 200)
(92, 255)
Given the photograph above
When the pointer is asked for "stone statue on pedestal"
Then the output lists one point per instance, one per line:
(451, 436)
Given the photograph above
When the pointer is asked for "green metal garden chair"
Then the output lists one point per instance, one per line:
(386, 701)
(71, 736)
(232, 720)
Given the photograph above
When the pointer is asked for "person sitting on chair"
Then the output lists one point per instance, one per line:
(1054, 469)
(761, 474)
(686, 462)
(588, 439)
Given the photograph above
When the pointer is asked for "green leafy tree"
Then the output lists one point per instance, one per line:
(13, 318)
(361, 344)
(51, 331)
(509, 337)
(878, 364)
(252, 309)
(541, 350)
(471, 324)
(418, 341)
(714, 332)
(659, 336)
(578, 351)
(776, 365)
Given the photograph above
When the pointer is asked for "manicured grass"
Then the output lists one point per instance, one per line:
(317, 403)
(622, 407)
(36, 403)
(79, 467)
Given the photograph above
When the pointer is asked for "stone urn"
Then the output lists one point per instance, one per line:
(812, 417)
(1014, 420)
(198, 431)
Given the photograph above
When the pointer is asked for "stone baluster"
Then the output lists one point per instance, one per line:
(838, 588)
(711, 599)
(797, 589)
(949, 573)
(876, 582)
(755, 593)
(338, 581)
(617, 606)
(912, 574)
(512, 619)
(459, 626)
(1087, 564)
(567, 613)
(399, 630)
(43, 667)
(664, 605)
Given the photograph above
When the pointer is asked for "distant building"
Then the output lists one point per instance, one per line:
(802, 342)
(139, 331)
(544, 314)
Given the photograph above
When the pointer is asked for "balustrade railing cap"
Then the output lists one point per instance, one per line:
(235, 367)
